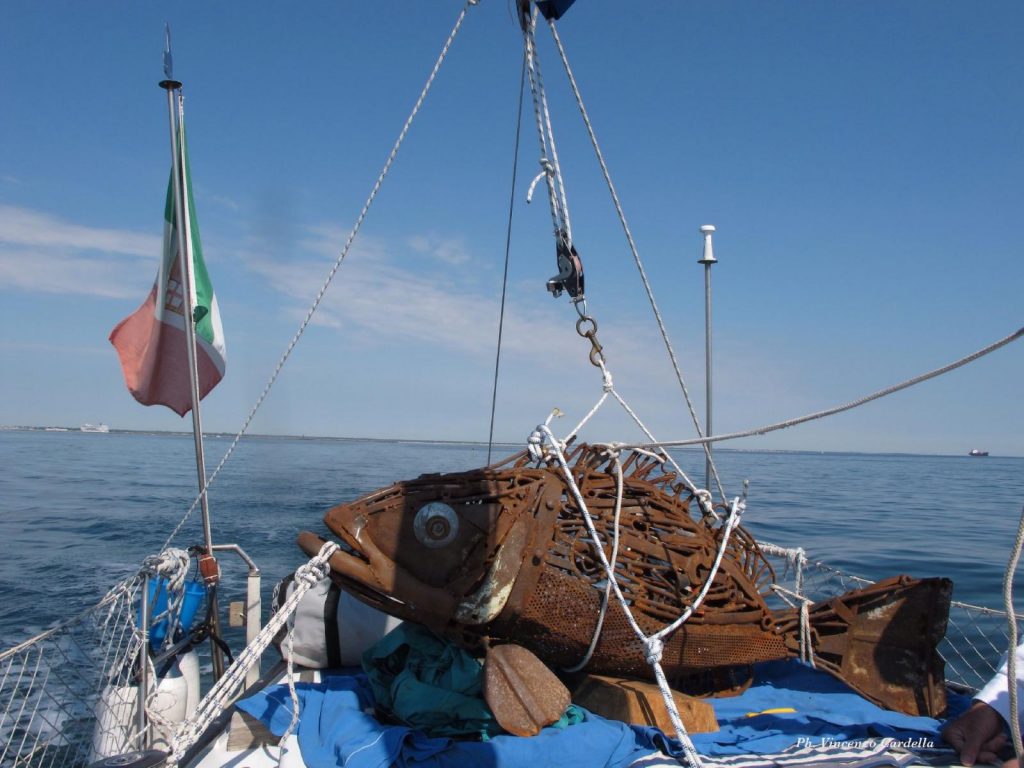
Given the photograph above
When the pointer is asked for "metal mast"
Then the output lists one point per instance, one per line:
(181, 210)
(707, 260)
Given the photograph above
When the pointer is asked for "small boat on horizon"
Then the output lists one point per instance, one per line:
(976, 452)
(102, 428)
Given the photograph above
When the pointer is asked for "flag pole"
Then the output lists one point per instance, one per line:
(185, 264)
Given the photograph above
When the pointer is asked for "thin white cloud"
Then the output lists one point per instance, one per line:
(23, 226)
(38, 270)
(448, 250)
(40, 252)
(57, 349)
(224, 202)
(374, 297)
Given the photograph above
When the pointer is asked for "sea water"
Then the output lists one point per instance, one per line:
(79, 512)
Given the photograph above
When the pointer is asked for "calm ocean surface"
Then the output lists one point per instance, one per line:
(79, 512)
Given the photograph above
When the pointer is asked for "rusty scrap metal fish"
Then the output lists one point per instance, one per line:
(502, 553)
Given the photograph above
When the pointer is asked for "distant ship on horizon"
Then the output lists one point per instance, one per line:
(103, 428)
(976, 452)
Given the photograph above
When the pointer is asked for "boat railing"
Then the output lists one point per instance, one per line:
(68, 694)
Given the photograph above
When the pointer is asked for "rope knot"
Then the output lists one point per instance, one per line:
(706, 502)
(606, 380)
(317, 568)
(534, 444)
(653, 648)
(312, 573)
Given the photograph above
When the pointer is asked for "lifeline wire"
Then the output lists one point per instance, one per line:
(334, 269)
(838, 409)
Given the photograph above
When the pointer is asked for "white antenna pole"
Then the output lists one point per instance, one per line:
(709, 258)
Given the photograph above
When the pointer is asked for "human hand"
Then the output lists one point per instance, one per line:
(978, 735)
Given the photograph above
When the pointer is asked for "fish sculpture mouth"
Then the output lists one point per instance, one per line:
(438, 558)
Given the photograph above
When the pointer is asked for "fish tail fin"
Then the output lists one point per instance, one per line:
(882, 641)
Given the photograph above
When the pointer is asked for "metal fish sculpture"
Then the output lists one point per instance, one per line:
(502, 553)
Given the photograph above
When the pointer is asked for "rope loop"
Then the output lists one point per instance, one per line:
(533, 186)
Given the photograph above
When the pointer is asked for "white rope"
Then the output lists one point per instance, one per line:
(1011, 652)
(334, 268)
(796, 558)
(838, 409)
(171, 564)
(653, 644)
(545, 134)
(606, 597)
(806, 643)
(228, 687)
(703, 496)
(633, 249)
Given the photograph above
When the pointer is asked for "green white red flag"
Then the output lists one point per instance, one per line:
(151, 342)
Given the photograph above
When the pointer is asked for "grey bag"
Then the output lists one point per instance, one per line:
(332, 628)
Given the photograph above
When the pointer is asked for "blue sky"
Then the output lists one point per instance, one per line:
(862, 162)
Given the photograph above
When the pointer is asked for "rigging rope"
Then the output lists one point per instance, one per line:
(840, 408)
(550, 169)
(633, 249)
(334, 268)
(508, 248)
(703, 496)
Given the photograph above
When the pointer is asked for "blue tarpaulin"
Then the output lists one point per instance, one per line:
(788, 705)
(338, 729)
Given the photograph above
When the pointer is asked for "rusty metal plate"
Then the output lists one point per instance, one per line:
(524, 695)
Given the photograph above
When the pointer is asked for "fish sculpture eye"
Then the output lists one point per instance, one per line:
(436, 525)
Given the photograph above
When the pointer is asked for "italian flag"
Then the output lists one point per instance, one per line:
(151, 342)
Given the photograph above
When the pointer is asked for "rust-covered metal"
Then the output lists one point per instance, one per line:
(502, 552)
(523, 694)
